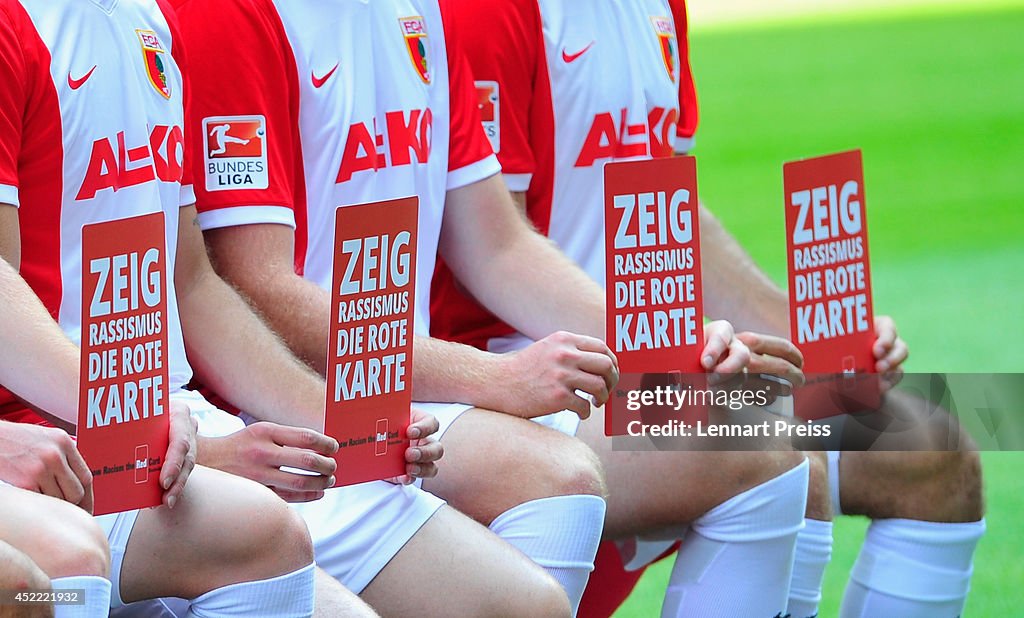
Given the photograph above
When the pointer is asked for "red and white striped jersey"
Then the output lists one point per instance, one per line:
(91, 129)
(565, 87)
(327, 104)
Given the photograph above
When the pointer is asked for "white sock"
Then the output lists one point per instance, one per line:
(94, 590)
(561, 534)
(833, 481)
(287, 596)
(912, 569)
(813, 551)
(739, 557)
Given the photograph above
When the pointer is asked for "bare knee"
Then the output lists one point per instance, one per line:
(283, 542)
(72, 545)
(551, 601)
(941, 486)
(575, 470)
(819, 502)
(545, 598)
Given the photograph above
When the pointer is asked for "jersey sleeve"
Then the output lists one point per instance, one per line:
(187, 196)
(507, 61)
(470, 156)
(686, 129)
(241, 112)
(12, 107)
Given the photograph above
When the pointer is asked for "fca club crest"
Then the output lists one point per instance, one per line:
(414, 29)
(155, 58)
(667, 40)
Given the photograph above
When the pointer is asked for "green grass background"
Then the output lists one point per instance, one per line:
(937, 104)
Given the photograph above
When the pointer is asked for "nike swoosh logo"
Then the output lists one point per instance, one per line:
(569, 58)
(75, 84)
(320, 81)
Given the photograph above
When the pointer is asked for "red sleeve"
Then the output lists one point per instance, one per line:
(12, 107)
(507, 61)
(242, 113)
(188, 196)
(470, 156)
(688, 117)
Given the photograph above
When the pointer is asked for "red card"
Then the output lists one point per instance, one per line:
(123, 414)
(655, 315)
(831, 317)
(369, 371)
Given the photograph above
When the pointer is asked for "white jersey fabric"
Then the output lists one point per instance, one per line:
(89, 132)
(588, 83)
(356, 100)
(599, 119)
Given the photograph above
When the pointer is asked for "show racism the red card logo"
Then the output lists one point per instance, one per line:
(369, 373)
(655, 316)
(831, 317)
(123, 414)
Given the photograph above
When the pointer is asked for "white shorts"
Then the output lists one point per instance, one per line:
(118, 528)
(446, 413)
(566, 421)
(356, 530)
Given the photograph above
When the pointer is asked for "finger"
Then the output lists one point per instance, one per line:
(421, 471)
(49, 486)
(717, 337)
(591, 344)
(303, 438)
(587, 383)
(174, 461)
(772, 346)
(578, 405)
(69, 484)
(736, 360)
(305, 460)
(88, 503)
(885, 331)
(423, 427)
(602, 366)
(297, 496)
(81, 470)
(425, 452)
(593, 385)
(897, 354)
(177, 488)
(772, 365)
(292, 481)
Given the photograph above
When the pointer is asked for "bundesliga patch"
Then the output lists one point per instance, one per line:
(235, 153)
(666, 32)
(154, 54)
(487, 101)
(414, 29)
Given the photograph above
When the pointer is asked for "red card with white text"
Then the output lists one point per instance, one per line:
(830, 305)
(369, 370)
(123, 413)
(654, 299)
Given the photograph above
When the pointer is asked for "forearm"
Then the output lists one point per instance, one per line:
(298, 310)
(39, 364)
(447, 371)
(238, 356)
(735, 288)
(557, 294)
